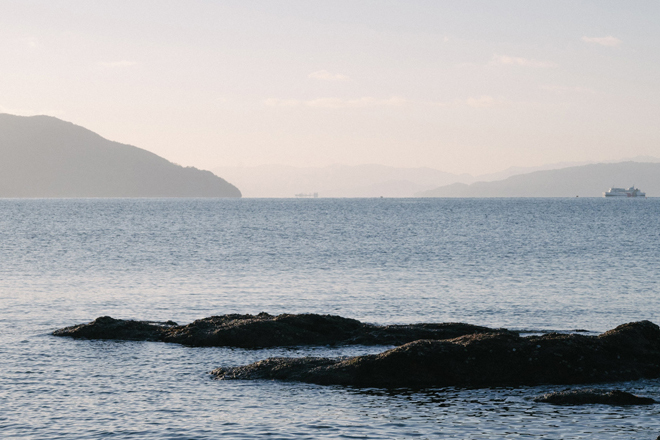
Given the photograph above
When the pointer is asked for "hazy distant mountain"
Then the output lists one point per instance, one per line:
(513, 171)
(41, 156)
(584, 181)
(388, 188)
(337, 180)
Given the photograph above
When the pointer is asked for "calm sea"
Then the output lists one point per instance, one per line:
(526, 264)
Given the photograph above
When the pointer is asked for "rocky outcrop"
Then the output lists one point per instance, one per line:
(264, 330)
(591, 396)
(630, 351)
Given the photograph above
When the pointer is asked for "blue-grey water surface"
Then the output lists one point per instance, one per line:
(526, 264)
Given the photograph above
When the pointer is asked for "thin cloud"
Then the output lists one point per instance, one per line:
(337, 103)
(566, 89)
(122, 63)
(518, 61)
(355, 103)
(483, 101)
(324, 75)
(28, 112)
(608, 41)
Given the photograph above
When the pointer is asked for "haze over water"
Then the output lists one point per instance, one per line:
(526, 264)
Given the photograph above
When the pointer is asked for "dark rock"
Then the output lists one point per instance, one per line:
(106, 327)
(264, 330)
(402, 334)
(591, 396)
(629, 352)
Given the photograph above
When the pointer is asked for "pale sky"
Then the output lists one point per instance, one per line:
(462, 86)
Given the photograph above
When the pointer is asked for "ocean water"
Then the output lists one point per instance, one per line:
(525, 264)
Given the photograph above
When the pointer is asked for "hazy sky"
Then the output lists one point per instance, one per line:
(463, 86)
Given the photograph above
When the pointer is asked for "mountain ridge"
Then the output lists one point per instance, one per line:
(366, 180)
(584, 181)
(43, 156)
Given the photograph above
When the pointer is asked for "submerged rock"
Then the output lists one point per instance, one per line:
(591, 396)
(630, 351)
(264, 330)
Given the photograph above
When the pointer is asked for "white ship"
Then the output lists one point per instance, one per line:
(314, 195)
(622, 192)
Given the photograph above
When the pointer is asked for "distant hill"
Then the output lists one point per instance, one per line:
(584, 181)
(513, 171)
(42, 156)
(337, 180)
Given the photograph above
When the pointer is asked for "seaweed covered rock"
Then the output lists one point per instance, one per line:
(629, 352)
(264, 330)
(592, 396)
